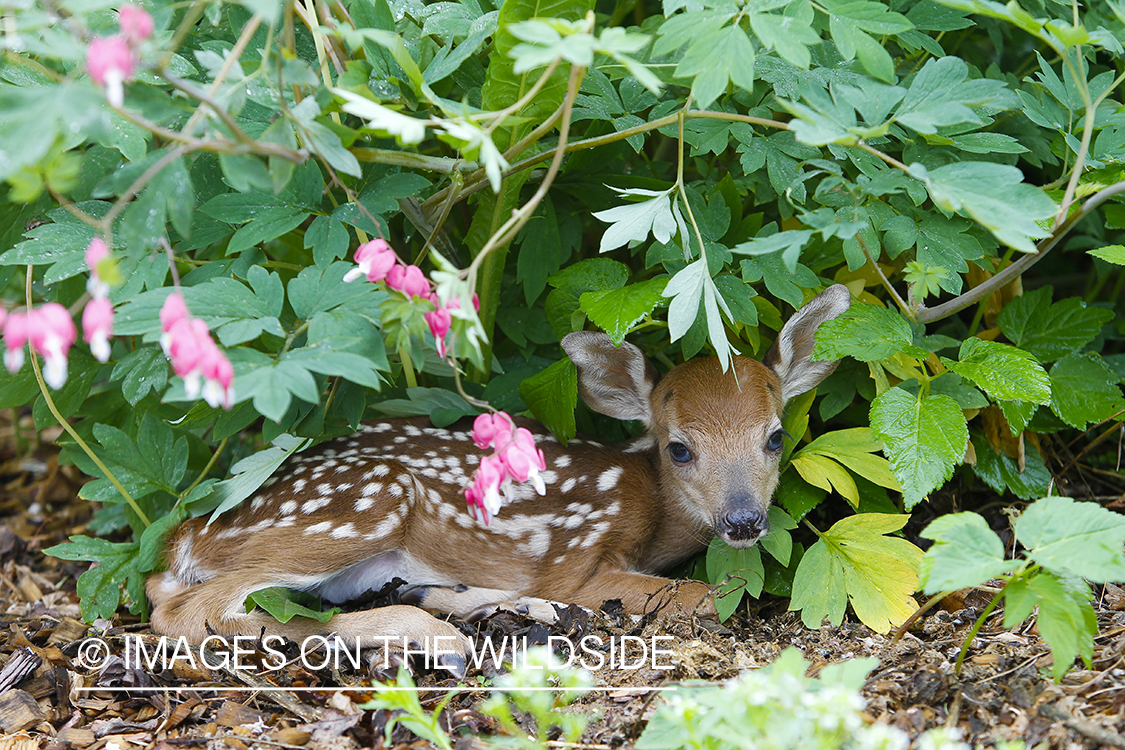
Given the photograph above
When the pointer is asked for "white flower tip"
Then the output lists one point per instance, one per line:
(100, 348)
(353, 274)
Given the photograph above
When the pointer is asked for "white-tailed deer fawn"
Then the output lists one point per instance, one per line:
(388, 502)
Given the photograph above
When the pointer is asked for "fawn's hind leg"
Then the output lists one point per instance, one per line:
(216, 606)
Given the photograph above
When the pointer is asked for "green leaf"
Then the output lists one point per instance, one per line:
(285, 604)
(592, 274)
(779, 542)
(993, 195)
(1072, 538)
(328, 239)
(1002, 473)
(965, 553)
(1084, 389)
(1047, 330)
(616, 311)
(272, 387)
(248, 475)
(1110, 253)
(925, 437)
(854, 448)
(1066, 620)
(716, 59)
(876, 573)
(823, 472)
(868, 333)
(942, 94)
(785, 283)
(99, 588)
(552, 396)
(735, 571)
(140, 371)
(322, 289)
(1003, 372)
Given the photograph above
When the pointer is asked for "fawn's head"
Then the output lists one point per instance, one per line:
(718, 437)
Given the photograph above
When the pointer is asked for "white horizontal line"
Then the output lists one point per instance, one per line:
(369, 689)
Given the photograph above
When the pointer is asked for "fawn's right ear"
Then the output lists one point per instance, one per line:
(614, 380)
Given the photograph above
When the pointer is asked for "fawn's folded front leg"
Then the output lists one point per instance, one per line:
(641, 594)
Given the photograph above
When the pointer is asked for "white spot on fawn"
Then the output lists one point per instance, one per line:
(608, 479)
(568, 485)
(372, 489)
(289, 507)
(344, 531)
(311, 506)
(317, 528)
(562, 461)
(364, 503)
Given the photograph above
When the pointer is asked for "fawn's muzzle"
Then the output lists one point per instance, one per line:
(741, 523)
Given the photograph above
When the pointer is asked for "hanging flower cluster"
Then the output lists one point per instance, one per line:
(97, 317)
(194, 354)
(516, 458)
(376, 261)
(112, 60)
(51, 333)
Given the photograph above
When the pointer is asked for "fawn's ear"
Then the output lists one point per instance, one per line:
(614, 380)
(789, 355)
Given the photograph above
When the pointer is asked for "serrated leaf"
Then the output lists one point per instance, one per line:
(966, 553)
(688, 289)
(1072, 538)
(868, 333)
(925, 437)
(1066, 620)
(616, 311)
(1110, 253)
(285, 604)
(1002, 473)
(1003, 372)
(1084, 389)
(1051, 330)
(876, 573)
(99, 588)
(552, 396)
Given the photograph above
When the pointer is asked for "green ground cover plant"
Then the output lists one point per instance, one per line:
(686, 174)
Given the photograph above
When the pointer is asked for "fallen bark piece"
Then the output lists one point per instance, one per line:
(19, 711)
(23, 662)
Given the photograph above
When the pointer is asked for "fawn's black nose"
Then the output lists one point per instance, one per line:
(742, 523)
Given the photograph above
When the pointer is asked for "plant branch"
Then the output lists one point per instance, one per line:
(930, 314)
(232, 57)
(883, 278)
(520, 217)
(69, 429)
(138, 185)
(442, 164)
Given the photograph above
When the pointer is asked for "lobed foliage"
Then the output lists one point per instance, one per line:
(686, 175)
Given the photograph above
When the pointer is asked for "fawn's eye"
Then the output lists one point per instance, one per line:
(774, 443)
(679, 453)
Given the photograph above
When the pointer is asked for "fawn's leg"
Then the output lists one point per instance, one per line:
(473, 603)
(216, 606)
(641, 594)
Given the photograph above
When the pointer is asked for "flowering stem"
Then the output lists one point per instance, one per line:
(70, 430)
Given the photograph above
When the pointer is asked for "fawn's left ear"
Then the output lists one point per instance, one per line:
(789, 355)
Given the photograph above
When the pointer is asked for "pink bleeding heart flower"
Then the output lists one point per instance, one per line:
(97, 327)
(490, 482)
(440, 321)
(410, 281)
(52, 333)
(110, 62)
(218, 377)
(490, 428)
(16, 334)
(524, 461)
(96, 252)
(135, 23)
(190, 346)
(172, 312)
(375, 259)
(3, 315)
